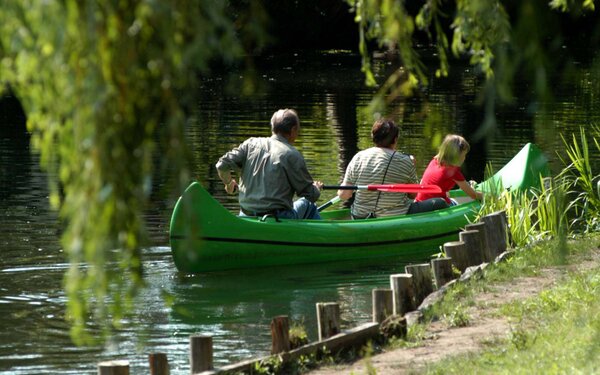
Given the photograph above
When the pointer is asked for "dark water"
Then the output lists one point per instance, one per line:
(236, 307)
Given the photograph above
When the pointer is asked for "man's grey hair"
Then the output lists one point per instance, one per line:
(283, 121)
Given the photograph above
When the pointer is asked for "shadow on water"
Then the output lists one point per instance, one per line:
(15, 156)
(276, 287)
(237, 306)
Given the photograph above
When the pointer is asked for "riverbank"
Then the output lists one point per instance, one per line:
(537, 311)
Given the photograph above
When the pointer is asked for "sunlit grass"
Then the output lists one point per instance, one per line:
(526, 262)
(298, 335)
(452, 309)
(556, 331)
(414, 337)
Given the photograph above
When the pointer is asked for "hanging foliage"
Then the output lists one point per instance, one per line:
(96, 80)
(99, 79)
(498, 43)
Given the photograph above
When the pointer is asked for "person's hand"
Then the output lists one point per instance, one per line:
(478, 194)
(318, 185)
(231, 187)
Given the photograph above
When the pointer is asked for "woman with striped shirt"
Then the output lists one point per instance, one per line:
(381, 164)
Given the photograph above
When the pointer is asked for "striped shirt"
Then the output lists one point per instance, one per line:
(369, 167)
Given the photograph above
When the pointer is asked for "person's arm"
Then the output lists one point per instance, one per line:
(345, 194)
(232, 160)
(300, 179)
(230, 183)
(466, 187)
(413, 176)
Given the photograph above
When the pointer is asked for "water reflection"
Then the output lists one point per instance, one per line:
(14, 145)
(247, 300)
(236, 307)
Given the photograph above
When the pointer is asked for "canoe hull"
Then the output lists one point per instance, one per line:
(239, 243)
(207, 237)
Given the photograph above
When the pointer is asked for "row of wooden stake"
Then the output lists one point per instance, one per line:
(480, 242)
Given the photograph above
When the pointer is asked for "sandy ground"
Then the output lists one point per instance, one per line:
(485, 325)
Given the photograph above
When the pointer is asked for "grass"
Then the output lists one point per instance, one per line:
(453, 307)
(557, 331)
(298, 335)
(415, 335)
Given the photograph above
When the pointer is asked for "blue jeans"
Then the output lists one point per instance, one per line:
(431, 204)
(303, 209)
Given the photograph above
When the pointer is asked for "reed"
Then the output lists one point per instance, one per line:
(534, 215)
(493, 200)
(563, 204)
(521, 222)
(518, 206)
(551, 207)
(580, 178)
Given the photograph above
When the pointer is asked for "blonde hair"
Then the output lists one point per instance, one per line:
(451, 148)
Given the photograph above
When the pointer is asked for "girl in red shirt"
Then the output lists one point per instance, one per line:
(444, 170)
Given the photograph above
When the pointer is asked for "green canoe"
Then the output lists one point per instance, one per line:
(205, 236)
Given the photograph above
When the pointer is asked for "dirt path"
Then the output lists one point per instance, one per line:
(485, 325)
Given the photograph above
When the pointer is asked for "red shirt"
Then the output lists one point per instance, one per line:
(444, 176)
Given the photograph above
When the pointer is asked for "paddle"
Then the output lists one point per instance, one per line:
(390, 188)
(333, 200)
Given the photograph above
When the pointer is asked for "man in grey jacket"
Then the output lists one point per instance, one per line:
(271, 170)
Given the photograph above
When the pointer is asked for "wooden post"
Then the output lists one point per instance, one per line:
(422, 281)
(383, 304)
(505, 228)
(496, 232)
(442, 271)
(159, 365)
(487, 255)
(119, 367)
(474, 244)
(457, 252)
(328, 319)
(402, 293)
(280, 334)
(201, 353)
